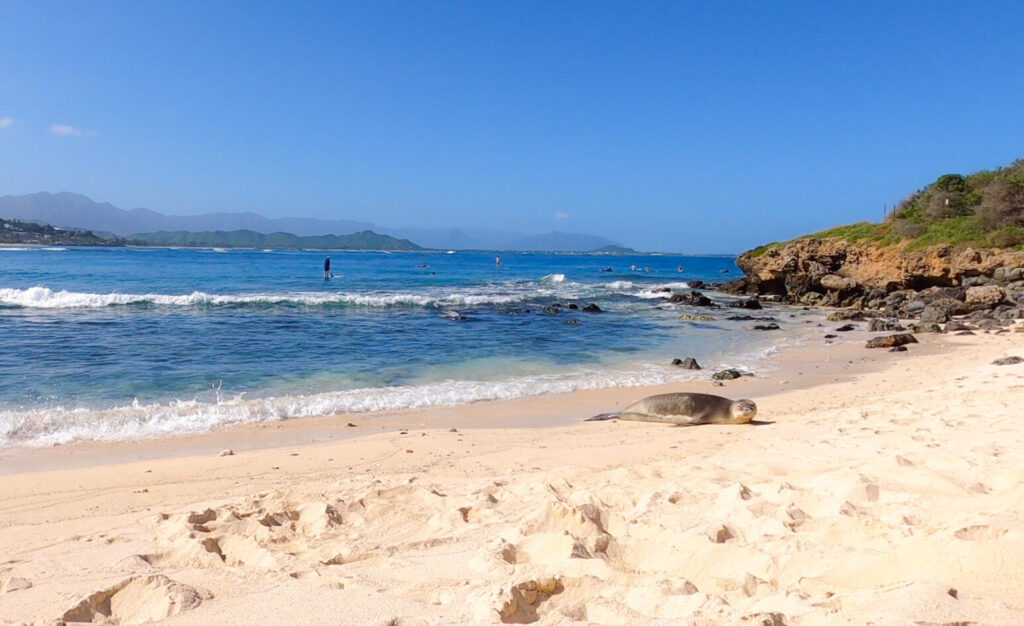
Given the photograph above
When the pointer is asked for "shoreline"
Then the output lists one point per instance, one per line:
(885, 494)
(801, 366)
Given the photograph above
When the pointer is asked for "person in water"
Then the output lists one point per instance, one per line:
(327, 267)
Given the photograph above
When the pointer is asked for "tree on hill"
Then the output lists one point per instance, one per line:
(986, 207)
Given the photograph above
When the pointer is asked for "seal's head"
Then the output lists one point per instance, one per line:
(743, 411)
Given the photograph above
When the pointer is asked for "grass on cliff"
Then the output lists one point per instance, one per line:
(982, 210)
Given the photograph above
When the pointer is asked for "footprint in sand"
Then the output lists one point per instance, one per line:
(136, 600)
(979, 533)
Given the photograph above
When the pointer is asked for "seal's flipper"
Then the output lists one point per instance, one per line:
(602, 417)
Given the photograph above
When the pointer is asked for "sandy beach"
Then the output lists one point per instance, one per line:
(876, 488)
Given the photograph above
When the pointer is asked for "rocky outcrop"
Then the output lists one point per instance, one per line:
(836, 272)
(841, 271)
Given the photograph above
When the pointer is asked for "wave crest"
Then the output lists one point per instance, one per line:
(45, 427)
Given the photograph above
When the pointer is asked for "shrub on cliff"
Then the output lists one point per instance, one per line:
(984, 209)
(995, 198)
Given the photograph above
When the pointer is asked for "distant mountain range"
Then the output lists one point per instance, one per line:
(365, 240)
(70, 210)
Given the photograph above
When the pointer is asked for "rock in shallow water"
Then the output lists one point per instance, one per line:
(688, 363)
(727, 375)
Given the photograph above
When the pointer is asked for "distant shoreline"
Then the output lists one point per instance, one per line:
(423, 250)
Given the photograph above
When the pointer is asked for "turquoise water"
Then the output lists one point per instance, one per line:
(118, 343)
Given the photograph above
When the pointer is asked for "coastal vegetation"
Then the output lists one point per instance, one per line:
(982, 210)
(30, 233)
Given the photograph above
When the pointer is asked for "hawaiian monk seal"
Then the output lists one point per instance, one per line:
(685, 409)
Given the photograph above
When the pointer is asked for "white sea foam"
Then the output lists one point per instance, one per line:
(59, 425)
(551, 286)
(619, 284)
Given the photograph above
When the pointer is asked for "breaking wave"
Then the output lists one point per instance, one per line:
(551, 286)
(60, 425)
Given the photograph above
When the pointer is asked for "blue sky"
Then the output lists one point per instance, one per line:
(675, 126)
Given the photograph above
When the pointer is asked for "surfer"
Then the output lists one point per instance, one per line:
(327, 268)
(497, 262)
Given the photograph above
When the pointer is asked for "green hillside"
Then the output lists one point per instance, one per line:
(18, 232)
(365, 240)
(984, 210)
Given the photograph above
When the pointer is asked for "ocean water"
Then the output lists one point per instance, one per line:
(123, 343)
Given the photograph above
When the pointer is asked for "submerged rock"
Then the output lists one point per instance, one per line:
(749, 303)
(696, 318)
(692, 298)
(591, 308)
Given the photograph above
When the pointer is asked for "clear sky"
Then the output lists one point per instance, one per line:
(677, 126)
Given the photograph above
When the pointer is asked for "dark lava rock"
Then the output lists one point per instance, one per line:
(750, 318)
(898, 349)
(553, 309)
(955, 325)
(750, 303)
(688, 363)
(934, 315)
(766, 327)
(695, 284)
(879, 324)
(831, 336)
(1010, 360)
(925, 327)
(890, 341)
(591, 308)
(727, 375)
(693, 298)
(914, 306)
(572, 322)
(965, 332)
(952, 306)
(845, 328)
(662, 290)
(573, 306)
(846, 315)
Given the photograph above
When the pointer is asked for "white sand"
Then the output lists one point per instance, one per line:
(896, 497)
